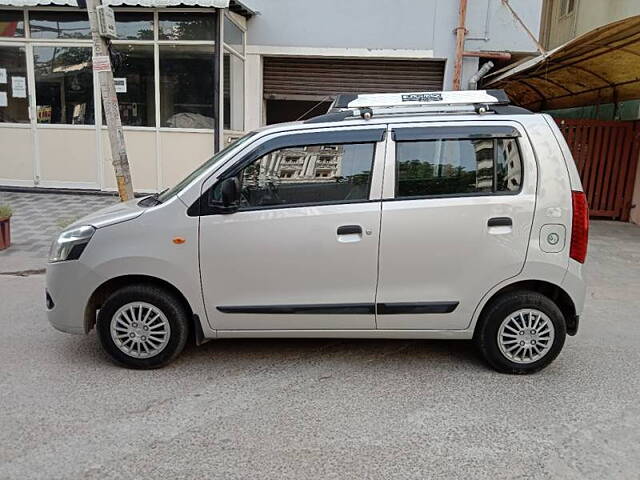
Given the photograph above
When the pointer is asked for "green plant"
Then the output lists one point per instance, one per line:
(5, 211)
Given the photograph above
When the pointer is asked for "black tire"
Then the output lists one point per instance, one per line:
(161, 299)
(486, 335)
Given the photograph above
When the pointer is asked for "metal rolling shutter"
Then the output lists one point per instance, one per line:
(311, 78)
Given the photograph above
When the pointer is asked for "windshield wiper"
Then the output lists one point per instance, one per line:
(152, 200)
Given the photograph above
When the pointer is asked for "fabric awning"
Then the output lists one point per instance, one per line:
(601, 66)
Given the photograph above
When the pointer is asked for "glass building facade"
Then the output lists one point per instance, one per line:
(164, 64)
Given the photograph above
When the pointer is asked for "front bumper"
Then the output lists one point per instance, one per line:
(69, 287)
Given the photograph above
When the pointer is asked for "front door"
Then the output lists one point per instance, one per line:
(301, 250)
(456, 219)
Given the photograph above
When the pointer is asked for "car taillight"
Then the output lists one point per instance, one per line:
(579, 227)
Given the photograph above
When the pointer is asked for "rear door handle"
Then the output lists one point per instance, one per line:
(350, 230)
(500, 222)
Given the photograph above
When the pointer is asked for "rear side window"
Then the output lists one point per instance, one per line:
(307, 174)
(508, 165)
(457, 166)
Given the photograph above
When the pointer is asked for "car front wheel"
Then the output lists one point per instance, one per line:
(142, 326)
(521, 332)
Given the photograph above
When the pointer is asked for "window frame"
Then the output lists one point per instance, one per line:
(374, 134)
(451, 132)
(226, 48)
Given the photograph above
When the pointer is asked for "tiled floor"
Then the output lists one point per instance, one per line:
(38, 217)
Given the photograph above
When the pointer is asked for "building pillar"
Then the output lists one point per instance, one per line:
(218, 65)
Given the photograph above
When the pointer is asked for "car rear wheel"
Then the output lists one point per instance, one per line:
(521, 332)
(142, 326)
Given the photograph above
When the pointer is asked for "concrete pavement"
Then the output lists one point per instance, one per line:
(327, 409)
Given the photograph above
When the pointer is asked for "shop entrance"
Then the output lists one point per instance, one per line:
(296, 88)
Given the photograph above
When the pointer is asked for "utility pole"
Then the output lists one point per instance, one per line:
(102, 65)
(461, 31)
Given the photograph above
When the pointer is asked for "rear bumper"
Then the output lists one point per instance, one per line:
(574, 284)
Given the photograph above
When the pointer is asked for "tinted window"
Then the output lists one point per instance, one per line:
(307, 175)
(456, 166)
(508, 166)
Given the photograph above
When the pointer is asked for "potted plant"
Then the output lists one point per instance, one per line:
(5, 227)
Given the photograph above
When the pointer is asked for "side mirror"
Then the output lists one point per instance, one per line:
(229, 197)
(230, 192)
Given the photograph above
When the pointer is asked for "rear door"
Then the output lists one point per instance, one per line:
(458, 204)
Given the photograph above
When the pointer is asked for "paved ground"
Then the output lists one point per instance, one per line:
(327, 409)
(38, 217)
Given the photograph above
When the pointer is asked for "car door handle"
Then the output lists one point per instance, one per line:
(500, 222)
(350, 230)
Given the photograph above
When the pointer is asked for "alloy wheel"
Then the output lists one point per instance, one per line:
(140, 330)
(526, 336)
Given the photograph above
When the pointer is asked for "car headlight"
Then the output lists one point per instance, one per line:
(70, 244)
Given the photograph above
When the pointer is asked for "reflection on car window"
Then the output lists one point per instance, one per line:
(508, 166)
(457, 166)
(311, 174)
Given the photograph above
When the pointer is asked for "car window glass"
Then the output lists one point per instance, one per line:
(457, 166)
(311, 174)
(508, 166)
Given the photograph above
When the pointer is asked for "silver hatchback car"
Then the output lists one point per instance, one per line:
(447, 215)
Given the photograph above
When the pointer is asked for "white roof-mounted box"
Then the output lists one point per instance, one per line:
(412, 99)
(348, 106)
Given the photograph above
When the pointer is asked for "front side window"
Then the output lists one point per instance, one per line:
(64, 85)
(273, 180)
(457, 167)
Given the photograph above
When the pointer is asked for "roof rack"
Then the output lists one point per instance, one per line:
(470, 97)
(369, 105)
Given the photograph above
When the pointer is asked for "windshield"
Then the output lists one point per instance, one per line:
(167, 194)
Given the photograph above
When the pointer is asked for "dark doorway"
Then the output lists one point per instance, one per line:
(279, 111)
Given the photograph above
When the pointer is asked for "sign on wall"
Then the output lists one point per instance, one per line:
(120, 84)
(19, 87)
